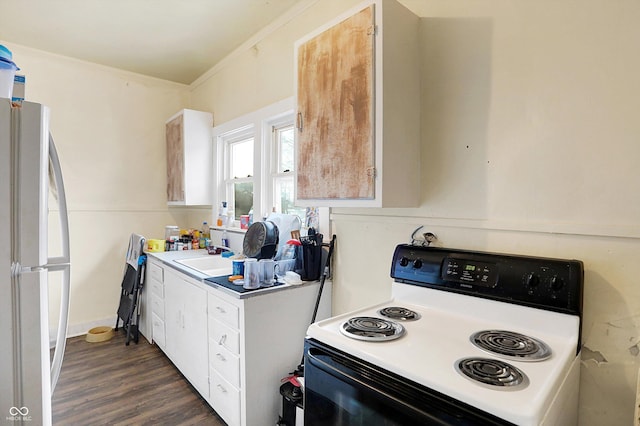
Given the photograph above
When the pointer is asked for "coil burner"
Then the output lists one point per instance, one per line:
(399, 313)
(511, 345)
(493, 373)
(371, 329)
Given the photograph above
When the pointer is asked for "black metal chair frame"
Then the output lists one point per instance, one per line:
(131, 289)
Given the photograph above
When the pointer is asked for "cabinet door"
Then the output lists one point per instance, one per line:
(186, 330)
(335, 103)
(175, 159)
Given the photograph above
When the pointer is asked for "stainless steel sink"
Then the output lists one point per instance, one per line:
(211, 266)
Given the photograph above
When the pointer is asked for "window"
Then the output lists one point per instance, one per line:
(256, 154)
(238, 166)
(282, 168)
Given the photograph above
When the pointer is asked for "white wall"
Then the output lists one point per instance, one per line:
(529, 145)
(109, 130)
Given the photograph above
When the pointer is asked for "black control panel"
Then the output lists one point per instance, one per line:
(466, 271)
(545, 283)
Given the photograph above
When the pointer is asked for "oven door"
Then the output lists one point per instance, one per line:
(342, 390)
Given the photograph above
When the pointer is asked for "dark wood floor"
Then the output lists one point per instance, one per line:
(109, 383)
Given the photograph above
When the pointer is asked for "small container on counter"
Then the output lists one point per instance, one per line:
(244, 221)
(195, 242)
(171, 236)
(155, 246)
(238, 267)
(251, 274)
(171, 231)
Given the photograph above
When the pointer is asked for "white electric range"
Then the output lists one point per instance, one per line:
(470, 338)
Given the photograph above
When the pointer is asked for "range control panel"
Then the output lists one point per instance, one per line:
(470, 272)
(547, 283)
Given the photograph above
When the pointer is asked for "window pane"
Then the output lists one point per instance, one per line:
(284, 139)
(284, 194)
(241, 159)
(243, 197)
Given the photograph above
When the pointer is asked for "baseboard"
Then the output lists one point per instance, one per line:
(82, 329)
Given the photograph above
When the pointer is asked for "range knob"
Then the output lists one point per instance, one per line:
(417, 263)
(556, 283)
(532, 280)
(404, 261)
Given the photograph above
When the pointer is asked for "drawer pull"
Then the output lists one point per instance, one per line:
(221, 388)
(221, 357)
(223, 339)
(221, 309)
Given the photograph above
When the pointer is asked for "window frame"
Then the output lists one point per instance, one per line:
(275, 176)
(260, 125)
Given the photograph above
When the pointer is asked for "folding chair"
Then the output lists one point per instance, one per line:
(131, 288)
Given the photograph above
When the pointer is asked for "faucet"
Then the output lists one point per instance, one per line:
(213, 249)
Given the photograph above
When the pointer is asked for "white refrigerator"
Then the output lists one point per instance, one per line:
(30, 176)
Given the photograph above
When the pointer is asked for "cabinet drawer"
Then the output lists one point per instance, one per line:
(157, 306)
(156, 272)
(158, 330)
(157, 288)
(225, 363)
(224, 336)
(223, 311)
(225, 398)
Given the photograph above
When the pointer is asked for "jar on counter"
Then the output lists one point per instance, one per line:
(171, 236)
(171, 231)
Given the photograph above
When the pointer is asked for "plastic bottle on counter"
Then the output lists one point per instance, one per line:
(204, 235)
(228, 218)
(225, 238)
(222, 213)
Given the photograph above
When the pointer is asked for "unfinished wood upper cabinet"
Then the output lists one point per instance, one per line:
(189, 158)
(358, 110)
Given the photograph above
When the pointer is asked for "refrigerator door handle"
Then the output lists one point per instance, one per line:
(61, 338)
(60, 263)
(62, 204)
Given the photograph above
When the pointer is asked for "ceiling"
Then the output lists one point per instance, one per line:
(175, 40)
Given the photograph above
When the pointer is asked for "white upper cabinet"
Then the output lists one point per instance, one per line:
(358, 110)
(189, 158)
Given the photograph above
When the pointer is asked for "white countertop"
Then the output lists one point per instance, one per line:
(168, 258)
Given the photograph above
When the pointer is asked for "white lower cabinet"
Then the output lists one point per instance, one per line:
(152, 303)
(253, 344)
(234, 351)
(225, 399)
(224, 351)
(158, 331)
(185, 312)
(224, 357)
